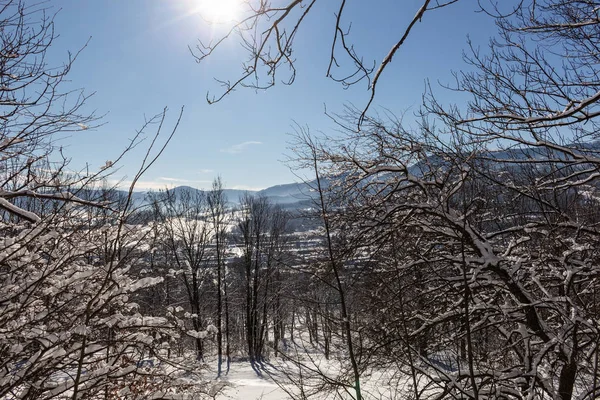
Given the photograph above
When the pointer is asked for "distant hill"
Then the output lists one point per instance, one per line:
(300, 195)
(291, 195)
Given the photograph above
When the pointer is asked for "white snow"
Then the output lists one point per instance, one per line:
(242, 382)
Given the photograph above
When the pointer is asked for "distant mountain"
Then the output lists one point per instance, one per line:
(233, 195)
(289, 195)
(300, 195)
(289, 189)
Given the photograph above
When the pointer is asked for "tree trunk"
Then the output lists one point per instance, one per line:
(227, 331)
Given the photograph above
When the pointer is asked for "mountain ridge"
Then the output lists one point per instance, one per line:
(287, 194)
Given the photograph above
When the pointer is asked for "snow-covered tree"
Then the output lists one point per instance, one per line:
(69, 325)
(480, 220)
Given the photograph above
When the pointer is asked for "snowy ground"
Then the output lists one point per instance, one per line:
(242, 382)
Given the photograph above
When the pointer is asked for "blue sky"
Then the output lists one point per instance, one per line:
(137, 62)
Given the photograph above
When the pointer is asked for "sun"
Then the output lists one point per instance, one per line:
(218, 11)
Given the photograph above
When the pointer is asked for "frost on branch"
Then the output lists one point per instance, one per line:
(70, 323)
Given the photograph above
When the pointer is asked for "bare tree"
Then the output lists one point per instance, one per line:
(499, 291)
(69, 325)
(268, 30)
(188, 236)
(493, 200)
(217, 206)
(261, 228)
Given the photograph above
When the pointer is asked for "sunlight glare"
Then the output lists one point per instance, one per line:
(218, 11)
